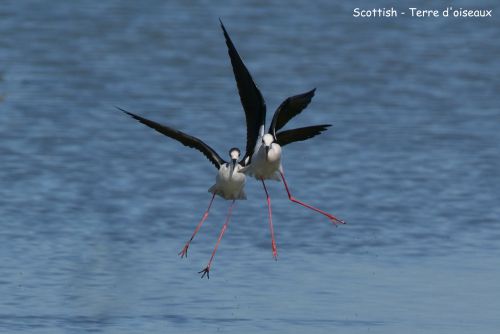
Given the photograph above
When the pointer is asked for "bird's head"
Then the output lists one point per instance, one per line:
(267, 140)
(234, 154)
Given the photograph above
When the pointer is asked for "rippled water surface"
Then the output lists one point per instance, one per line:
(95, 207)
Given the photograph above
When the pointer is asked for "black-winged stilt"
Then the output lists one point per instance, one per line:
(229, 182)
(265, 162)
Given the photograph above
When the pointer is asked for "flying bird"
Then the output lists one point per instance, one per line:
(265, 162)
(262, 158)
(229, 182)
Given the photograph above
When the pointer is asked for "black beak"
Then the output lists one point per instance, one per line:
(267, 151)
(232, 167)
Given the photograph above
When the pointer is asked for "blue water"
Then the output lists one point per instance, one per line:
(95, 207)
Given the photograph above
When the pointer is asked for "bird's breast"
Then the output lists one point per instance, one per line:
(225, 177)
(274, 154)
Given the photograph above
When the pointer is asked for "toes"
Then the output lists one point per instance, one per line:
(204, 272)
(183, 252)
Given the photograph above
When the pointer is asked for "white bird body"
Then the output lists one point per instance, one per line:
(265, 164)
(229, 184)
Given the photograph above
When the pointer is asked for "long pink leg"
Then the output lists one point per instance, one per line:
(184, 250)
(334, 219)
(206, 271)
(273, 242)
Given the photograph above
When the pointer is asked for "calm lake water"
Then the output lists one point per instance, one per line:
(95, 207)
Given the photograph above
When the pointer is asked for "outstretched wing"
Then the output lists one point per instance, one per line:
(183, 138)
(251, 98)
(288, 109)
(289, 136)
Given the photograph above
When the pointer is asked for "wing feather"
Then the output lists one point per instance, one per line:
(250, 96)
(288, 109)
(290, 136)
(181, 137)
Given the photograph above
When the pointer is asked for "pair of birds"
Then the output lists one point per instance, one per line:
(262, 159)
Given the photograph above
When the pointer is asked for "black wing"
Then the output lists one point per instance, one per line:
(288, 109)
(251, 98)
(289, 136)
(182, 137)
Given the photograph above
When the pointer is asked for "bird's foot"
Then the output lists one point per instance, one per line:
(204, 272)
(275, 251)
(184, 251)
(335, 220)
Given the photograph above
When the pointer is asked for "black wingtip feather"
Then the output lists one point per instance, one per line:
(251, 98)
(183, 138)
(300, 134)
(128, 113)
(289, 108)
